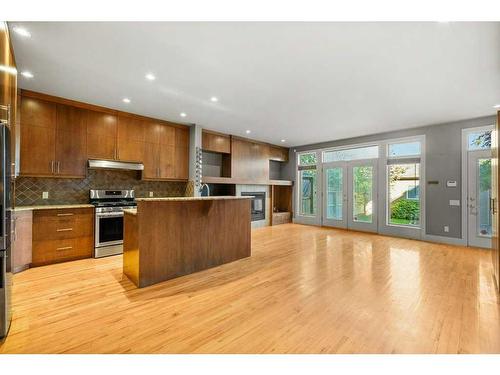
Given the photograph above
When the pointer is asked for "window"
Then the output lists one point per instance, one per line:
(398, 150)
(404, 194)
(369, 152)
(308, 184)
(307, 158)
(480, 140)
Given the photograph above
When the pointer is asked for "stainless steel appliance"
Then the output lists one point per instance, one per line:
(5, 217)
(109, 206)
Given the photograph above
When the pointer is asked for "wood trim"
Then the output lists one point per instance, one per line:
(242, 138)
(240, 181)
(93, 107)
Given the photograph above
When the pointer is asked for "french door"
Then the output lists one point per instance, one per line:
(479, 198)
(350, 195)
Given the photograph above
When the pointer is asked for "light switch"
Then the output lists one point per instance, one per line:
(451, 184)
(151, 194)
(454, 202)
(45, 195)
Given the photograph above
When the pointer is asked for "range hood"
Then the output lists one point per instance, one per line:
(109, 164)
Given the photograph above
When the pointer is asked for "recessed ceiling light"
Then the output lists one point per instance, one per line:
(283, 140)
(214, 99)
(27, 74)
(22, 31)
(497, 106)
(248, 131)
(126, 100)
(183, 114)
(150, 77)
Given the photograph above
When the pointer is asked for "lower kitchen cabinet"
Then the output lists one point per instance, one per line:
(62, 234)
(21, 245)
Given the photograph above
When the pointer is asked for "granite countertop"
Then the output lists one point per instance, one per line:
(225, 197)
(51, 207)
(131, 211)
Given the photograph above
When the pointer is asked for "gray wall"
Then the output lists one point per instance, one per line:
(443, 162)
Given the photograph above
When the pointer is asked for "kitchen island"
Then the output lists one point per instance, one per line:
(166, 238)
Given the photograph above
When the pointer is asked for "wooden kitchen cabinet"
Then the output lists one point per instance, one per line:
(181, 157)
(102, 131)
(38, 137)
(21, 246)
(278, 153)
(71, 142)
(62, 234)
(215, 142)
(249, 161)
(131, 139)
(166, 153)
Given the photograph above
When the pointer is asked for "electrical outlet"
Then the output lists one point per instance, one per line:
(446, 228)
(45, 195)
(151, 194)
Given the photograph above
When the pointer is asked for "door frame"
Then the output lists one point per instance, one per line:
(465, 179)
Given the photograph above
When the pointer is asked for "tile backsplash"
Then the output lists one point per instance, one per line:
(28, 190)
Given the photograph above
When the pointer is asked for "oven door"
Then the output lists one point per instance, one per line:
(108, 229)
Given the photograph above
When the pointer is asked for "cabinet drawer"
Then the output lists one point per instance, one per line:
(55, 228)
(54, 251)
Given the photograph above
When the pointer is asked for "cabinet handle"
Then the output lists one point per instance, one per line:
(52, 166)
(64, 248)
(69, 214)
(64, 230)
(58, 165)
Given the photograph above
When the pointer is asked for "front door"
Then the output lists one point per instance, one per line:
(350, 195)
(479, 198)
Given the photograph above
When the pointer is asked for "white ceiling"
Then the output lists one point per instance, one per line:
(304, 82)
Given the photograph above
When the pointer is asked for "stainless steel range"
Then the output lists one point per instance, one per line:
(109, 206)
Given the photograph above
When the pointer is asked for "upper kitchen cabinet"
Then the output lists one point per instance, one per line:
(181, 160)
(249, 160)
(38, 137)
(215, 142)
(101, 135)
(166, 155)
(278, 153)
(131, 139)
(71, 141)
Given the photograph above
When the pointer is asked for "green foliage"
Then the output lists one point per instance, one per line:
(407, 209)
(307, 159)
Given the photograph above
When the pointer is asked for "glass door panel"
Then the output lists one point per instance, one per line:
(335, 197)
(362, 193)
(479, 218)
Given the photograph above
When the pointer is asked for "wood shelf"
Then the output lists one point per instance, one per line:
(240, 181)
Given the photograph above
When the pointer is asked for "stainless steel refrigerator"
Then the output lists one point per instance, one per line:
(5, 235)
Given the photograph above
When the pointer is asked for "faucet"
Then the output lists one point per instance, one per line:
(203, 186)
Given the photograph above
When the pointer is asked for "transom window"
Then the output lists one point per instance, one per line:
(369, 152)
(401, 150)
(480, 140)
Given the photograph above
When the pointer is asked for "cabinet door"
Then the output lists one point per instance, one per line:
(216, 143)
(71, 141)
(38, 133)
(167, 161)
(21, 240)
(131, 139)
(181, 158)
(151, 161)
(278, 153)
(101, 135)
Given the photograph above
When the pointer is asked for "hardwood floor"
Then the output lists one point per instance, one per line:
(304, 290)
